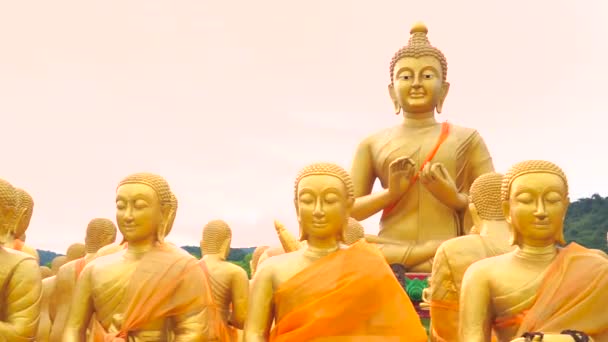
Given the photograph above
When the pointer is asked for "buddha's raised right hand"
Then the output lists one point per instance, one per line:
(401, 171)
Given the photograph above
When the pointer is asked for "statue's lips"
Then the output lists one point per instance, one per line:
(319, 224)
(416, 95)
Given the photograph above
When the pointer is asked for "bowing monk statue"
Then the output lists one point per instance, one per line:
(455, 255)
(16, 237)
(148, 291)
(228, 283)
(328, 291)
(20, 279)
(425, 167)
(539, 288)
(100, 232)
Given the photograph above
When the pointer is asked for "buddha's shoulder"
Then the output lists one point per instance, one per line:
(14, 257)
(106, 261)
(487, 265)
(280, 262)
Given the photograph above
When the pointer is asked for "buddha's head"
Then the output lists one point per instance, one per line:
(255, 258)
(216, 239)
(45, 272)
(418, 74)
(75, 251)
(535, 199)
(354, 231)
(484, 200)
(25, 210)
(145, 207)
(57, 262)
(323, 197)
(8, 209)
(100, 232)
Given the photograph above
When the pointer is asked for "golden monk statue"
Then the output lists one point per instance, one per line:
(539, 288)
(16, 237)
(57, 262)
(20, 280)
(100, 232)
(229, 284)
(425, 167)
(455, 255)
(328, 291)
(255, 258)
(148, 291)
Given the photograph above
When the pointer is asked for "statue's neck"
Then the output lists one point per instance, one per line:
(137, 249)
(532, 253)
(318, 250)
(498, 230)
(218, 257)
(418, 120)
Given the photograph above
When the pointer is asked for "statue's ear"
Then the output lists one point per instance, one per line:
(167, 213)
(445, 88)
(394, 99)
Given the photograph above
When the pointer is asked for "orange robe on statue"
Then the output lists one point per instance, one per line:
(164, 284)
(349, 295)
(572, 296)
(221, 331)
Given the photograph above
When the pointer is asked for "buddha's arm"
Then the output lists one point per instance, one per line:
(59, 303)
(81, 309)
(363, 176)
(260, 313)
(240, 296)
(475, 306)
(480, 160)
(22, 305)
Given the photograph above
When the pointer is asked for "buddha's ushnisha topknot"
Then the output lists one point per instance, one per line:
(419, 46)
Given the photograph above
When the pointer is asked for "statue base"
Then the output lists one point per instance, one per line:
(414, 284)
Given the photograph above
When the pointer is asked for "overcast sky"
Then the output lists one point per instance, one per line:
(229, 99)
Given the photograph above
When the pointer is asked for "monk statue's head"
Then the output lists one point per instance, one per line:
(418, 76)
(255, 258)
(354, 232)
(57, 262)
(484, 200)
(25, 210)
(45, 272)
(216, 239)
(323, 197)
(100, 232)
(8, 209)
(535, 199)
(145, 207)
(75, 251)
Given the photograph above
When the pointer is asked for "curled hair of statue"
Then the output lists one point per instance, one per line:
(577, 336)
(530, 336)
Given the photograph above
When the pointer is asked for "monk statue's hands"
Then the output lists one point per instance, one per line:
(547, 338)
(400, 173)
(436, 179)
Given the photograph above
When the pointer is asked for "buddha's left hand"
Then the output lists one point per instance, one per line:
(438, 181)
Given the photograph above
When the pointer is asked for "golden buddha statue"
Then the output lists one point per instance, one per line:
(75, 251)
(20, 278)
(45, 323)
(16, 237)
(255, 258)
(313, 293)
(228, 283)
(57, 262)
(148, 291)
(100, 232)
(455, 255)
(425, 167)
(539, 287)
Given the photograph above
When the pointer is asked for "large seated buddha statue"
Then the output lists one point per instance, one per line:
(148, 291)
(455, 255)
(20, 278)
(539, 291)
(425, 167)
(328, 291)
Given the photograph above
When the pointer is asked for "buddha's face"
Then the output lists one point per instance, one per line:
(537, 207)
(138, 212)
(417, 84)
(323, 206)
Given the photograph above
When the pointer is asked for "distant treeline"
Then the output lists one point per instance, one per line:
(586, 223)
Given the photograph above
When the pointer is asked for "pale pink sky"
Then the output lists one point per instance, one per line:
(229, 99)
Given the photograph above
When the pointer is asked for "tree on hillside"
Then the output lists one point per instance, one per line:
(587, 222)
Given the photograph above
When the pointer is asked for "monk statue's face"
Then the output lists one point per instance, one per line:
(138, 212)
(323, 206)
(417, 84)
(536, 208)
